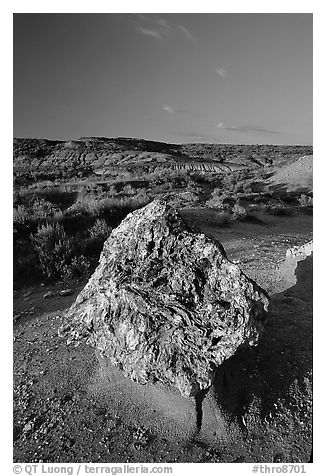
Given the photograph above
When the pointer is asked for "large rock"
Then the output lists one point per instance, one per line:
(165, 304)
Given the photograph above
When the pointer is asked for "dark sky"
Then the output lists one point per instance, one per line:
(234, 78)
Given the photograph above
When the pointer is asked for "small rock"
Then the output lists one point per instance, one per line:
(243, 421)
(28, 427)
(49, 294)
(66, 292)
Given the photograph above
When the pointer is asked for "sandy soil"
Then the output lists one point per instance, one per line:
(70, 406)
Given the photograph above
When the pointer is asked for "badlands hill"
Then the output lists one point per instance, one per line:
(102, 155)
(296, 176)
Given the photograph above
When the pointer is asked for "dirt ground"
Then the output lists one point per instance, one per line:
(70, 406)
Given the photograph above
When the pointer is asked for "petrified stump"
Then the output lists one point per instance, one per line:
(165, 304)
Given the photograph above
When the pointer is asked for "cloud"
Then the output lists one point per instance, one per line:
(158, 27)
(244, 129)
(162, 22)
(169, 109)
(222, 72)
(141, 16)
(187, 33)
(150, 32)
(152, 20)
(173, 110)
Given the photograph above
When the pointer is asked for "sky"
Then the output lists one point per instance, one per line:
(215, 78)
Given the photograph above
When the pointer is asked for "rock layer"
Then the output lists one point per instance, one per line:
(165, 304)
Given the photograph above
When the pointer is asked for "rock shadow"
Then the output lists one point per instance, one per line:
(282, 357)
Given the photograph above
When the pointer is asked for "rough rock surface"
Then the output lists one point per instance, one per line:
(165, 304)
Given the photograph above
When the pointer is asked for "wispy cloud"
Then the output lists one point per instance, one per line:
(222, 72)
(168, 109)
(140, 16)
(187, 33)
(162, 22)
(173, 110)
(244, 128)
(153, 26)
(158, 27)
(149, 32)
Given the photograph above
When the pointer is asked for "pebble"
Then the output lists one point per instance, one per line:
(66, 292)
(49, 294)
(29, 426)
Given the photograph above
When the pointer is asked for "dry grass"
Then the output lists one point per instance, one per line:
(95, 206)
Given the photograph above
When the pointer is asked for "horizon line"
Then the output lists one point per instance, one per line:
(156, 140)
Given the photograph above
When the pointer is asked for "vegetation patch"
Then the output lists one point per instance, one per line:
(69, 195)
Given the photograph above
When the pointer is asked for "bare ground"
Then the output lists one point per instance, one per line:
(70, 407)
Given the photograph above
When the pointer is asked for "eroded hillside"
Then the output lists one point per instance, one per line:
(48, 159)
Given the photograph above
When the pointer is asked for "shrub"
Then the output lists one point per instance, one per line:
(87, 203)
(164, 187)
(43, 209)
(192, 186)
(20, 214)
(53, 248)
(216, 200)
(305, 200)
(239, 212)
(35, 210)
(231, 181)
(128, 190)
(96, 206)
(16, 197)
(78, 267)
(100, 230)
(140, 199)
(112, 191)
